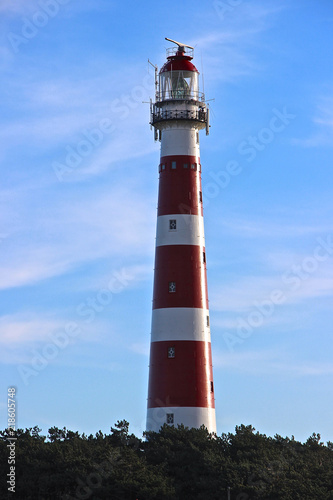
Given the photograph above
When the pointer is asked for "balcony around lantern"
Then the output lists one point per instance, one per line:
(159, 115)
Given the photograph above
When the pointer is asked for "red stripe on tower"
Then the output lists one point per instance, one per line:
(181, 388)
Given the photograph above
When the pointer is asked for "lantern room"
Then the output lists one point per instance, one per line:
(179, 78)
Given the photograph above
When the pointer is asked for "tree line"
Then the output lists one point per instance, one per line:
(175, 463)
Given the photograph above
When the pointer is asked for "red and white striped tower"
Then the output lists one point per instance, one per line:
(181, 389)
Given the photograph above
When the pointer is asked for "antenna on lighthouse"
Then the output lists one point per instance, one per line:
(156, 78)
(180, 45)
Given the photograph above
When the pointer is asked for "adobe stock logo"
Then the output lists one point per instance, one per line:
(30, 27)
(94, 138)
(266, 135)
(292, 280)
(60, 339)
(250, 147)
(225, 7)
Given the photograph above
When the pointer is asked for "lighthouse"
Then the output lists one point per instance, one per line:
(181, 387)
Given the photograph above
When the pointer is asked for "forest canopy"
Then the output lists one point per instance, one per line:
(175, 463)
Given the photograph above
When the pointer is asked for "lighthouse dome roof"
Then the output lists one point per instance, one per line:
(179, 62)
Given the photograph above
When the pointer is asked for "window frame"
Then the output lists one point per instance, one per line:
(170, 419)
(170, 351)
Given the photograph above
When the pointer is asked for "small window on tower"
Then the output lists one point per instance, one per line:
(172, 224)
(185, 165)
(193, 166)
(199, 167)
(172, 286)
(211, 387)
(171, 352)
(200, 196)
(170, 418)
(197, 137)
(207, 320)
(163, 166)
(204, 257)
(173, 164)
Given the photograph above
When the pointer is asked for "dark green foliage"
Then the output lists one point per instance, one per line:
(172, 464)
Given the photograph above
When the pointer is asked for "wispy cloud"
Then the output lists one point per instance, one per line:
(140, 348)
(322, 120)
(112, 219)
(270, 362)
(267, 227)
(237, 38)
(17, 6)
(295, 283)
(62, 109)
(24, 333)
(18, 329)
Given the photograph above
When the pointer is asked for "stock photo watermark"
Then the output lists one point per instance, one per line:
(249, 148)
(94, 480)
(11, 426)
(75, 155)
(59, 340)
(225, 7)
(95, 137)
(292, 280)
(48, 9)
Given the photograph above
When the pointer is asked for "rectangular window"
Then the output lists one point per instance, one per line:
(170, 418)
(211, 387)
(200, 196)
(193, 166)
(197, 137)
(199, 167)
(173, 164)
(172, 286)
(172, 224)
(171, 352)
(204, 257)
(185, 165)
(163, 166)
(207, 320)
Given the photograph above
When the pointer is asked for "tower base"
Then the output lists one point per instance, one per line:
(188, 416)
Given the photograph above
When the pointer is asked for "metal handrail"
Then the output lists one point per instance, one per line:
(179, 114)
(172, 51)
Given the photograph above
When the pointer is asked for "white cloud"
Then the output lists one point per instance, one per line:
(19, 329)
(140, 348)
(270, 362)
(23, 334)
(265, 226)
(17, 6)
(63, 108)
(296, 285)
(322, 120)
(241, 26)
(56, 238)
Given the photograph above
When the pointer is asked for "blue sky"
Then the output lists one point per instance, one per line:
(79, 183)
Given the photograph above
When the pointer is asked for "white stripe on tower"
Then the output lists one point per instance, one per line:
(181, 389)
